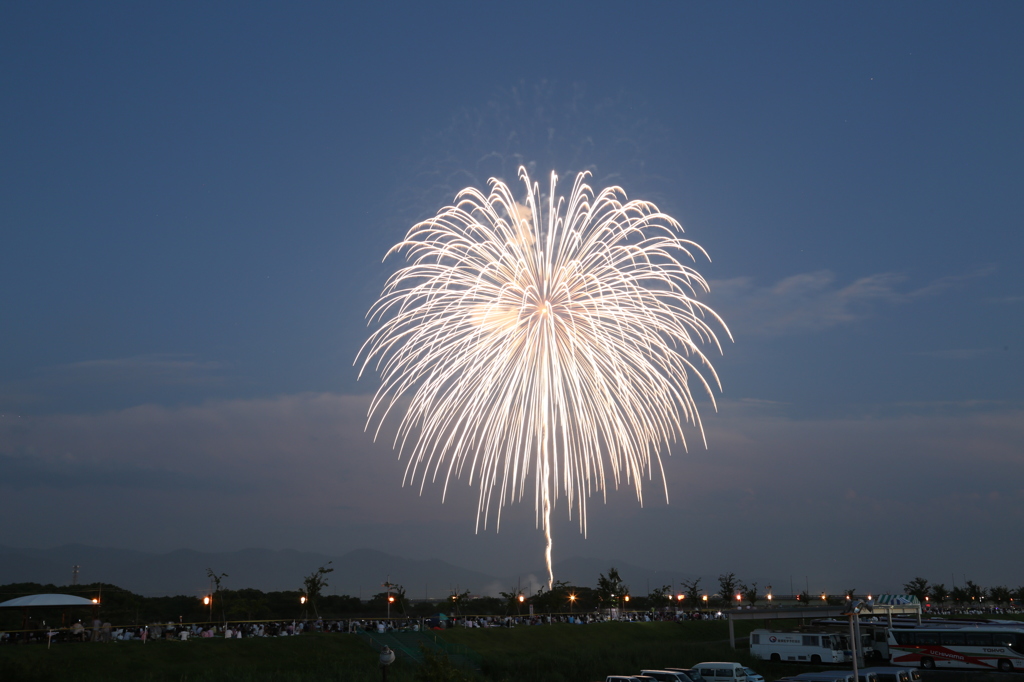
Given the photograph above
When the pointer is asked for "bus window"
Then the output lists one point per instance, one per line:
(979, 639)
(904, 637)
(953, 638)
(927, 638)
(810, 640)
(1007, 639)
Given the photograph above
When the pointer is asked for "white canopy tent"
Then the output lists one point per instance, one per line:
(43, 600)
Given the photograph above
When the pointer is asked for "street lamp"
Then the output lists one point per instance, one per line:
(572, 600)
(387, 657)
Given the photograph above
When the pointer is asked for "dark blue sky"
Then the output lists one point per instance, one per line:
(195, 201)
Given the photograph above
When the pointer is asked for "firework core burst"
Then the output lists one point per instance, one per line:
(541, 346)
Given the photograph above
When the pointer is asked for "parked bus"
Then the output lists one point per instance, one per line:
(810, 647)
(978, 647)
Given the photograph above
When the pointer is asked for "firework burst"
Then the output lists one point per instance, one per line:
(541, 346)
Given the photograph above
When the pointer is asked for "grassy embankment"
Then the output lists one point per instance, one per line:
(556, 653)
(325, 658)
(568, 653)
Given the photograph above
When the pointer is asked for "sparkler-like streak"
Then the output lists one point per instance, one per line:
(560, 342)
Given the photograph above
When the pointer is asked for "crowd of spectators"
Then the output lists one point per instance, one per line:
(105, 632)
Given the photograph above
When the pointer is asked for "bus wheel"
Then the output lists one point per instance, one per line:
(1005, 665)
(815, 658)
(928, 663)
(776, 658)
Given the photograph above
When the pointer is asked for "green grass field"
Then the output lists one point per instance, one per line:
(556, 653)
(291, 659)
(541, 653)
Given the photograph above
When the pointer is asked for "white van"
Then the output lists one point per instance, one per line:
(720, 671)
(836, 676)
(826, 676)
(894, 674)
(666, 675)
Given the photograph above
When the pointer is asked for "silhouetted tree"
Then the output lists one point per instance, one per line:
(918, 587)
(458, 600)
(999, 594)
(314, 584)
(974, 592)
(691, 588)
(729, 586)
(553, 600)
(217, 597)
(611, 588)
(938, 593)
(661, 597)
(750, 593)
(512, 601)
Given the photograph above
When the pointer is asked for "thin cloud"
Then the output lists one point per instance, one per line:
(956, 353)
(815, 301)
(166, 369)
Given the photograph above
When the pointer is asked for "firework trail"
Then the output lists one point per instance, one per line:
(551, 346)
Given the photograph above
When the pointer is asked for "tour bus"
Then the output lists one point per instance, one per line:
(811, 647)
(978, 647)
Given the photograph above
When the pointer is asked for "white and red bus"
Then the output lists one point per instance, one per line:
(977, 647)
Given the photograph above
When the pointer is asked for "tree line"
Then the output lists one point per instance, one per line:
(963, 596)
(223, 604)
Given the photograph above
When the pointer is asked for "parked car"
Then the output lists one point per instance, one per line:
(721, 671)
(895, 674)
(692, 673)
(753, 676)
(834, 676)
(667, 675)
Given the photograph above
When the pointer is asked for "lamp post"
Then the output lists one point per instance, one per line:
(387, 657)
(853, 611)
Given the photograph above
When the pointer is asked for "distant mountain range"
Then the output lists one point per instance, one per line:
(359, 572)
